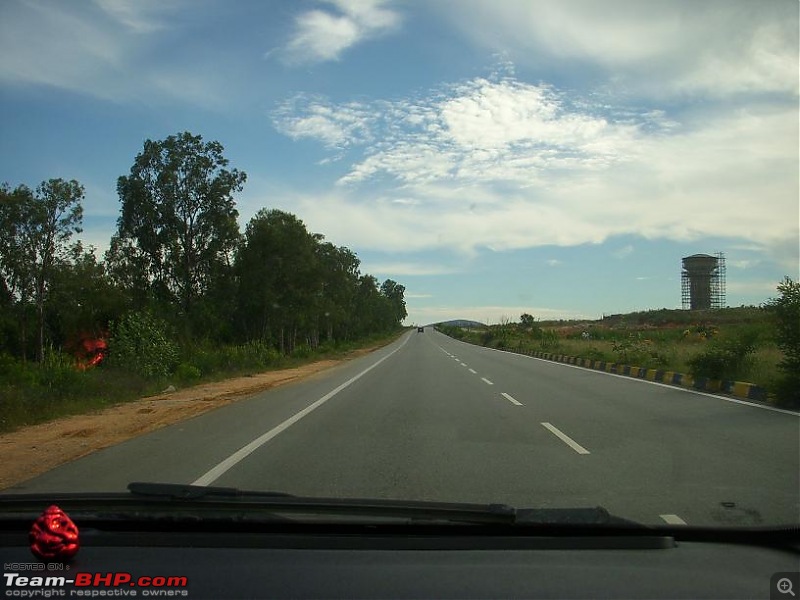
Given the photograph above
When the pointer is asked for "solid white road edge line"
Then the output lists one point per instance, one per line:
(227, 464)
(565, 438)
(673, 519)
(486, 381)
(510, 399)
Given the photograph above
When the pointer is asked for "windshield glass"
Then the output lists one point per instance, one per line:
(542, 254)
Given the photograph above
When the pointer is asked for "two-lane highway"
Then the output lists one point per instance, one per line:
(431, 418)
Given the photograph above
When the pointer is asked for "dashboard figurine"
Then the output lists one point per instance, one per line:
(54, 536)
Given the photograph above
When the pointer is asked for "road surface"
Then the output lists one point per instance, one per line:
(432, 418)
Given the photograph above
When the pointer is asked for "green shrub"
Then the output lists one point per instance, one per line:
(725, 359)
(140, 344)
(549, 340)
(187, 372)
(594, 354)
(786, 314)
(58, 371)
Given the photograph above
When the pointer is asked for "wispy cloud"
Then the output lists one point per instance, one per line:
(337, 126)
(409, 268)
(139, 16)
(323, 35)
(503, 164)
(107, 49)
(487, 130)
(623, 252)
(717, 48)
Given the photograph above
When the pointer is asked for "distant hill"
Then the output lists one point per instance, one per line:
(462, 323)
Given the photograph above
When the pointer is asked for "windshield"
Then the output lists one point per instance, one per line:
(541, 254)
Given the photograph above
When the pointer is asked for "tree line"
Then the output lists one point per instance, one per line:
(178, 254)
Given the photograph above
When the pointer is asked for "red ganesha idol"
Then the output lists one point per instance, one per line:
(54, 536)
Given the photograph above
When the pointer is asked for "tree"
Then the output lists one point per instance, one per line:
(36, 229)
(339, 273)
(177, 228)
(527, 320)
(279, 283)
(83, 299)
(786, 311)
(394, 292)
(16, 266)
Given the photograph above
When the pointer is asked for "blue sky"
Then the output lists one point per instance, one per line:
(494, 156)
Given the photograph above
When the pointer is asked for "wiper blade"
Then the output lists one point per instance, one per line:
(281, 502)
(415, 510)
(178, 491)
(167, 500)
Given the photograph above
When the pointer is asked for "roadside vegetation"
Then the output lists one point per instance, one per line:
(180, 297)
(759, 345)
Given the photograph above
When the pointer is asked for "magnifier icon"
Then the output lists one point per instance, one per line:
(784, 586)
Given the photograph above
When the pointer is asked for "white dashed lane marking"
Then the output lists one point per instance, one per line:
(673, 519)
(565, 438)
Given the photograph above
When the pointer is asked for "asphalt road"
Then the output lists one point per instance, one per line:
(431, 418)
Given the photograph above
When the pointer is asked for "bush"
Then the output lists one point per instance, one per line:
(725, 359)
(786, 313)
(139, 343)
(187, 372)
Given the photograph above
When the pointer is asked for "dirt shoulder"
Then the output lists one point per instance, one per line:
(31, 451)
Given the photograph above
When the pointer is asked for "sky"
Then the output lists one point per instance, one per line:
(493, 156)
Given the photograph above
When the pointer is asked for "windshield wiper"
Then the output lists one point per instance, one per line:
(281, 502)
(179, 491)
(167, 500)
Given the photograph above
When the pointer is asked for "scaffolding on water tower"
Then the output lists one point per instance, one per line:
(703, 281)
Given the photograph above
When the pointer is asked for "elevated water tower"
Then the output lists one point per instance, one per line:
(703, 281)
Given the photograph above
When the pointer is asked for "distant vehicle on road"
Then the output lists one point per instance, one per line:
(420, 329)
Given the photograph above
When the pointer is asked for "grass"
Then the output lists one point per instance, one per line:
(664, 339)
(31, 393)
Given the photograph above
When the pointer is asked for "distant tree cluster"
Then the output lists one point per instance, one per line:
(178, 254)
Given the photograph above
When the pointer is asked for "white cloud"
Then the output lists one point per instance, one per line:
(623, 252)
(552, 169)
(139, 16)
(478, 131)
(321, 35)
(107, 49)
(715, 47)
(336, 126)
(408, 268)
